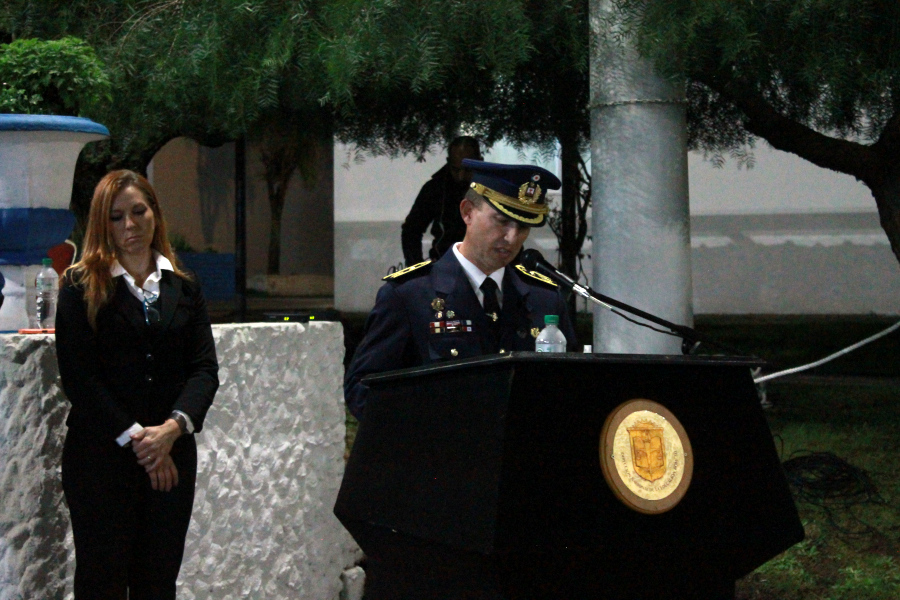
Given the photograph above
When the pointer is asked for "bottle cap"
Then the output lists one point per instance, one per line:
(551, 319)
(47, 262)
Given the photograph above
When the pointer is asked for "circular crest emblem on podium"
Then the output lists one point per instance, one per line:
(646, 456)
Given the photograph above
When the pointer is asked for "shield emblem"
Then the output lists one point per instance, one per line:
(648, 450)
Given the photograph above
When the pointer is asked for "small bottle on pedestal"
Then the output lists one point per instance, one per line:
(46, 286)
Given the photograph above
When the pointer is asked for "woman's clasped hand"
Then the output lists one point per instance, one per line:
(152, 445)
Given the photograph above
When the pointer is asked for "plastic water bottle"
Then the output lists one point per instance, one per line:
(46, 286)
(550, 339)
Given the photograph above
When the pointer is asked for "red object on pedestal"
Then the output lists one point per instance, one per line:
(63, 255)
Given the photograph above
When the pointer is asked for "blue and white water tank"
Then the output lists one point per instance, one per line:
(37, 165)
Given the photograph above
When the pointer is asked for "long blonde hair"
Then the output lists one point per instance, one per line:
(93, 270)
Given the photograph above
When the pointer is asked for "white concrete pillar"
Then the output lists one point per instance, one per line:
(641, 226)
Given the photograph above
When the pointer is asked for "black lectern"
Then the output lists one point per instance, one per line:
(518, 459)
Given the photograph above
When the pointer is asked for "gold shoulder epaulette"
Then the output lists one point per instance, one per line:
(403, 272)
(535, 275)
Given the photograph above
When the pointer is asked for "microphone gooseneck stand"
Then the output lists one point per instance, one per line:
(691, 338)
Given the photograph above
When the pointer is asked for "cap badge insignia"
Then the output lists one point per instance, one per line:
(529, 192)
(437, 304)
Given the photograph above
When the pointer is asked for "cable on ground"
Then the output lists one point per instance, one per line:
(834, 485)
(830, 357)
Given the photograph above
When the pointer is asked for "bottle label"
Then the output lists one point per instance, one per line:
(550, 348)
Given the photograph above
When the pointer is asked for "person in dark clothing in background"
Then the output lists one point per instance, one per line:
(438, 205)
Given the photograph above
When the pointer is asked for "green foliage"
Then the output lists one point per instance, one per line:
(832, 65)
(546, 97)
(410, 75)
(59, 77)
(212, 69)
(397, 75)
(872, 580)
(389, 76)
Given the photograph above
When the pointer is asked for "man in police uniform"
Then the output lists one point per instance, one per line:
(472, 301)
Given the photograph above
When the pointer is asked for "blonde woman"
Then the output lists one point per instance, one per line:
(138, 364)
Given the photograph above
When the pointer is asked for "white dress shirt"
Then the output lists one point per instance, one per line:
(476, 277)
(150, 289)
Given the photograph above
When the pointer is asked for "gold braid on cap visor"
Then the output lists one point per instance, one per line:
(500, 200)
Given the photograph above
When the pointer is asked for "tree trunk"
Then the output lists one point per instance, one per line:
(571, 190)
(278, 176)
(569, 244)
(288, 144)
(886, 191)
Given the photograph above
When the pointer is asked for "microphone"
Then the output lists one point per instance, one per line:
(533, 260)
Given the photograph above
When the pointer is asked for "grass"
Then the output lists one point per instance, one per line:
(852, 550)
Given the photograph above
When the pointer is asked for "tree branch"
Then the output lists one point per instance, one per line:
(784, 133)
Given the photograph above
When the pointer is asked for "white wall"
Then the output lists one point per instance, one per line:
(778, 183)
(382, 189)
(741, 264)
(372, 196)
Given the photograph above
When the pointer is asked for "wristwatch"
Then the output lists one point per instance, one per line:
(178, 417)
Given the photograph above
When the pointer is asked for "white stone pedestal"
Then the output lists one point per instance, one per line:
(270, 464)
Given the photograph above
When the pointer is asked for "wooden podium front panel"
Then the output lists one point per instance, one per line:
(737, 512)
(427, 458)
(500, 456)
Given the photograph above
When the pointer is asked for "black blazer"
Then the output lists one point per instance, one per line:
(129, 372)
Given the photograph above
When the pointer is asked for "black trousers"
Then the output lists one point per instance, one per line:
(129, 538)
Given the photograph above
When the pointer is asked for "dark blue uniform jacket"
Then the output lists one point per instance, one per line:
(399, 331)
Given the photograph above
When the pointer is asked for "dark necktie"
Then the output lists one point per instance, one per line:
(492, 310)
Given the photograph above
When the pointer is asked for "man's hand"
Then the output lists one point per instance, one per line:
(153, 444)
(164, 477)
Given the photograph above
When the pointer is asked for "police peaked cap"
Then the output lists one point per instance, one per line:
(516, 191)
